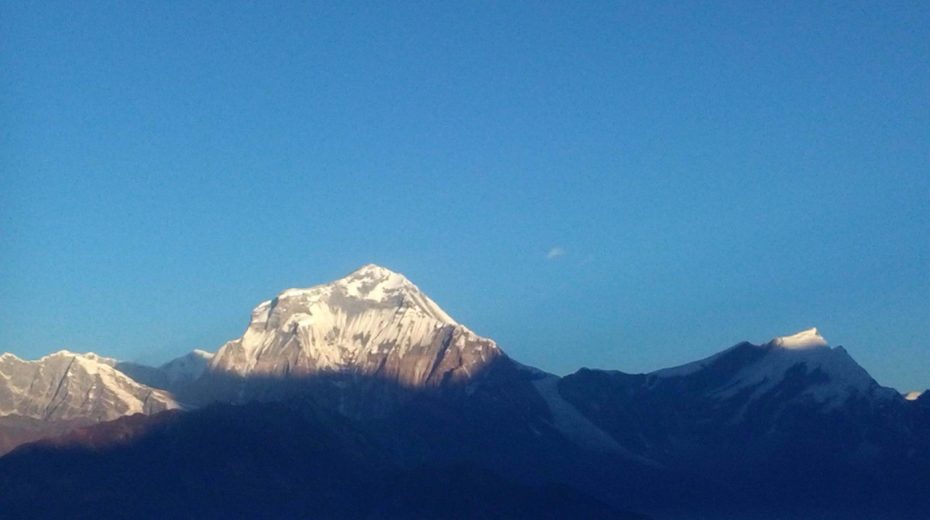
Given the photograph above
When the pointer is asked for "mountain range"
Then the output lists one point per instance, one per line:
(362, 398)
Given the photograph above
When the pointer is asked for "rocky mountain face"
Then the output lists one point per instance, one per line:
(65, 389)
(373, 322)
(364, 344)
(376, 363)
(65, 385)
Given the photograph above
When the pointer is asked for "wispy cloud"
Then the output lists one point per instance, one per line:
(554, 253)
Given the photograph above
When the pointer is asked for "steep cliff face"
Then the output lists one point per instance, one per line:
(373, 322)
(63, 390)
(65, 386)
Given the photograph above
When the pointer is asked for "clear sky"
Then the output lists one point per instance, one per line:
(615, 185)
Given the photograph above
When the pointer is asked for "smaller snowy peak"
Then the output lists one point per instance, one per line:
(186, 368)
(805, 360)
(67, 385)
(913, 396)
(805, 339)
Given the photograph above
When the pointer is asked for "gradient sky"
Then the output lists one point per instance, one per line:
(615, 185)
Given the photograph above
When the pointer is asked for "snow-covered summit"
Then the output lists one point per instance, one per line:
(809, 338)
(370, 285)
(804, 361)
(372, 321)
(832, 375)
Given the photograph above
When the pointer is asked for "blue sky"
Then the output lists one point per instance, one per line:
(615, 185)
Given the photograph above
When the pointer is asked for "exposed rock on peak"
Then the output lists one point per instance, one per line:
(65, 386)
(373, 322)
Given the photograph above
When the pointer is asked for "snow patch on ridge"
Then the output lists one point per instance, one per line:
(568, 420)
(809, 338)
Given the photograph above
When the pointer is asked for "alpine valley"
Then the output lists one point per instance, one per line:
(362, 398)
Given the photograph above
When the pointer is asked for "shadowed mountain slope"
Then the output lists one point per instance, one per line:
(265, 460)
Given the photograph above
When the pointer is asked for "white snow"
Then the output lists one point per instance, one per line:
(39, 384)
(371, 313)
(370, 283)
(802, 340)
(844, 376)
(807, 349)
(568, 420)
(805, 339)
(912, 396)
(62, 352)
(574, 425)
(113, 380)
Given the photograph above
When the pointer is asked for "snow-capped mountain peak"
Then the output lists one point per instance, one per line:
(65, 385)
(372, 321)
(804, 361)
(370, 285)
(833, 375)
(805, 339)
